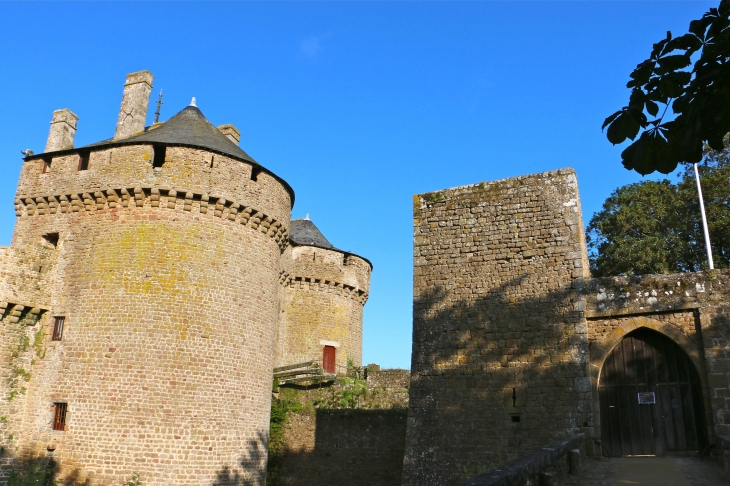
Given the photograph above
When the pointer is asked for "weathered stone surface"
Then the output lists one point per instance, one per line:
(510, 335)
(63, 130)
(326, 292)
(135, 101)
(532, 468)
(174, 277)
(500, 355)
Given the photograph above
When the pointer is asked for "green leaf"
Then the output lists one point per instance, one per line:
(616, 132)
(658, 48)
(642, 73)
(673, 63)
(686, 42)
(636, 100)
(652, 108)
(610, 119)
(699, 27)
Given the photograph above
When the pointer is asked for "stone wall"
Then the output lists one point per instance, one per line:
(333, 440)
(547, 465)
(500, 348)
(353, 447)
(169, 282)
(510, 335)
(393, 378)
(690, 308)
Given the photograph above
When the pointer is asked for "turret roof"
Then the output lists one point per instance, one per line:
(188, 127)
(303, 232)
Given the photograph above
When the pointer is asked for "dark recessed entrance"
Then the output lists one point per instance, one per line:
(651, 398)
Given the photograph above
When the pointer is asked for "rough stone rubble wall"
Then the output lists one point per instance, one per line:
(325, 295)
(169, 282)
(500, 350)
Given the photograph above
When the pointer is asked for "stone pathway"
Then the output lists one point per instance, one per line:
(649, 471)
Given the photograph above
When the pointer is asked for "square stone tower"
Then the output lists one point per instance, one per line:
(500, 350)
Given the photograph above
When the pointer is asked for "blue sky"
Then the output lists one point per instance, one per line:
(358, 105)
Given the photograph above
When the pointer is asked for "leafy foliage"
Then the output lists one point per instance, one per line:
(34, 473)
(656, 227)
(697, 97)
(133, 480)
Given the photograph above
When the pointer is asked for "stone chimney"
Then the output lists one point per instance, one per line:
(63, 130)
(135, 100)
(231, 132)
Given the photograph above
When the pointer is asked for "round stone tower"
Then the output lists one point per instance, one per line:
(167, 243)
(327, 289)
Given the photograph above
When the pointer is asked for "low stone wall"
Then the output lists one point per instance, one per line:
(350, 446)
(723, 444)
(394, 378)
(553, 460)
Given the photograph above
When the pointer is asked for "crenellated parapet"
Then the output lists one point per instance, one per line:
(327, 286)
(331, 265)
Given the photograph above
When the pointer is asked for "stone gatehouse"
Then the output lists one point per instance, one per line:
(514, 345)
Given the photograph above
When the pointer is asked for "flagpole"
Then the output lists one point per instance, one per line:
(704, 220)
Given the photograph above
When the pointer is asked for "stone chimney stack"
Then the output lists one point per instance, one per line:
(231, 132)
(135, 100)
(63, 130)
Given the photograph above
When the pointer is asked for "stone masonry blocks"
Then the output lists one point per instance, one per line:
(500, 350)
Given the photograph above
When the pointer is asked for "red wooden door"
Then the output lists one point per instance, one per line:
(651, 398)
(328, 359)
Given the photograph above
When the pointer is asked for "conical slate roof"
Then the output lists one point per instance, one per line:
(304, 232)
(189, 127)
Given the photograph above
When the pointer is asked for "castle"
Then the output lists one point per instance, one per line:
(153, 281)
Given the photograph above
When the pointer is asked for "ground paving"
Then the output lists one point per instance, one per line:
(649, 471)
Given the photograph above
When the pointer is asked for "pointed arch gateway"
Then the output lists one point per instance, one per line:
(650, 398)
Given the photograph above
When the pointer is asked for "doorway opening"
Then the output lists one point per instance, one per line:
(651, 398)
(328, 359)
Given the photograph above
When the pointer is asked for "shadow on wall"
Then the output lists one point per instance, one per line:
(40, 471)
(253, 460)
(44, 471)
(352, 446)
(494, 375)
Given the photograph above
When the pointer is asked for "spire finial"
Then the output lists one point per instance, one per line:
(192, 103)
(307, 217)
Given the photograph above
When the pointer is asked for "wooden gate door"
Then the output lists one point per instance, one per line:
(328, 359)
(651, 398)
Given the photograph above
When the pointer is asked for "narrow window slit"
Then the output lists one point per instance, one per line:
(159, 153)
(255, 171)
(58, 322)
(84, 160)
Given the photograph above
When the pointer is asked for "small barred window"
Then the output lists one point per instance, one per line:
(59, 416)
